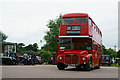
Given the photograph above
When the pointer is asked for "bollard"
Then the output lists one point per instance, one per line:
(117, 64)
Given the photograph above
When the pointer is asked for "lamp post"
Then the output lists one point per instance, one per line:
(115, 51)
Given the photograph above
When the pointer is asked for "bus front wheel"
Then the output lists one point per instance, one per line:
(89, 65)
(60, 66)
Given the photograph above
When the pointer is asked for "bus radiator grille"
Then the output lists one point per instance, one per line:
(71, 59)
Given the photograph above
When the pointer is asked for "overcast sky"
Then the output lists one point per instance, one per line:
(25, 20)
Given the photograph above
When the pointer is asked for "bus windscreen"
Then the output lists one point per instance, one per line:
(81, 20)
(65, 43)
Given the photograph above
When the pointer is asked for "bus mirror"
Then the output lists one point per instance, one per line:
(56, 36)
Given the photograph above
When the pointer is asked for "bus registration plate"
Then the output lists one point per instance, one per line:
(71, 64)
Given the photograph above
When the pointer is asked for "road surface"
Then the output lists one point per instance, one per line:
(51, 71)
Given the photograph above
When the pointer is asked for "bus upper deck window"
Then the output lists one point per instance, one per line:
(67, 21)
(90, 22)
(81, 20)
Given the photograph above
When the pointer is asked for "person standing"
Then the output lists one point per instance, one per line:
(33, 58)
(13, 56)
(13, 60)
(25, 56)
(17, 59)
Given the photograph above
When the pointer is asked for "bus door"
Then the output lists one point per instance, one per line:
(94, 54)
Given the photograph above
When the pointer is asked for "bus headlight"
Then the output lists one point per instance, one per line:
(83, 58)
(60, 57)
(84, 62)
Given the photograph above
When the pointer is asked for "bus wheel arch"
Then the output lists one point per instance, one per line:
(60, 65)
(89, 64)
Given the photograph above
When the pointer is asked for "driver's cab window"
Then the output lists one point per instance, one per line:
(65, 43)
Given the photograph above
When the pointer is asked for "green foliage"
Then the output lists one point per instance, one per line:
(29, 47)
(29, 52)
(103, 50)
(50, 37)
(46, 55)
(21, 48)
(3, 36)
(33, 47)
(109, 51)
(115, 65)
(20, 45)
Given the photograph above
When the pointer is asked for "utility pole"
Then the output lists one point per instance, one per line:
(115, 50)
(115, 53)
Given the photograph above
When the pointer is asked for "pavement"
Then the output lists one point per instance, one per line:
(51, 71)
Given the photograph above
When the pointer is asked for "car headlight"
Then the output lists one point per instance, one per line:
(83, 58)
(60, 57)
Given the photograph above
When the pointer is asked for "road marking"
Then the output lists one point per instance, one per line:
(107, 67)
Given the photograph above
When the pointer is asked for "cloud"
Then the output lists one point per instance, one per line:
(25, 20)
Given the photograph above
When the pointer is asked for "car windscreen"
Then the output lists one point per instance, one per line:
(105, 58)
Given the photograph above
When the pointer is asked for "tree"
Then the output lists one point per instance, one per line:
(31, 48)
(50, 37)
(103, 50)
(111, 52)
(35, 47)
(45, 55)
(28, 48)
(3, 36)
(20, 45)
(20, 48)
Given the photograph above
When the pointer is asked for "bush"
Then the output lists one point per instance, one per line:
(45, 55)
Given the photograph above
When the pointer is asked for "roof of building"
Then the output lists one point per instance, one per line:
(7, 43)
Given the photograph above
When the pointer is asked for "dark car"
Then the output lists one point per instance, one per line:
(106, 59)
(8, 60)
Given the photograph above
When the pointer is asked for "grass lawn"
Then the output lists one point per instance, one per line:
(115, 65)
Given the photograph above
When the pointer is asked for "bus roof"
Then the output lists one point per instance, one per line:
(75, 15)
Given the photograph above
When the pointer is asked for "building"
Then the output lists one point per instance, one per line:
(7, 47)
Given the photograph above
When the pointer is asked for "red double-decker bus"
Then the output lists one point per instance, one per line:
(80, 42)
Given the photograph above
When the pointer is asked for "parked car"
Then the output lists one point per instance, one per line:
(8, 60)
(106, 59)
(39, 60)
